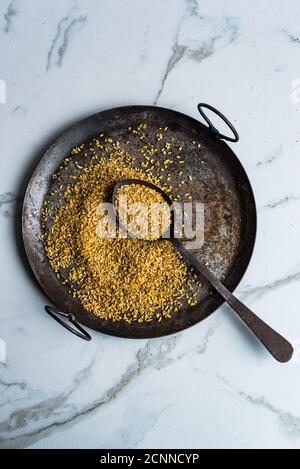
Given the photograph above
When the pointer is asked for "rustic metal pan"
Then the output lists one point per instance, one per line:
(218, 180)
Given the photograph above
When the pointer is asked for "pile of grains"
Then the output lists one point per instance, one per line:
(116, 279)
(144, 211)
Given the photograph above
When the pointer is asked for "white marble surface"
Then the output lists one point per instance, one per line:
(210, 386)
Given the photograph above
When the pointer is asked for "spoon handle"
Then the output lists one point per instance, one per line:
(277, 345)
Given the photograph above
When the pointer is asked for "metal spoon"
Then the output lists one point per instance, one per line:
(277, 345)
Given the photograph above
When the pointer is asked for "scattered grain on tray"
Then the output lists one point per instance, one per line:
(117, 279)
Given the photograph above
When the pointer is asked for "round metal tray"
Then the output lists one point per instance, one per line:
(218, 180)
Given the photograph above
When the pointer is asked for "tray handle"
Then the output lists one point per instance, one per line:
(78, 330)
(213, 128)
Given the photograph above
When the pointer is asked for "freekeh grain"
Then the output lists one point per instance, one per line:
(116, 279)
(144, 211)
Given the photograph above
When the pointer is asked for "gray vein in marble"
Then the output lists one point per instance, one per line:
(156, 354)
(210, 332)
(229, 31)
(15, 109)
(193, 7)
(8, 203)
(292, 37)
(177, 54)
(153, 424)
(7, 197)
(61, 40)
(208, 48)
(11, 12)
(177, 50)
(9, 384)
(41, 410)
(145, 43)
(10, 389)
(276, 153)
(152, 354)
(19, 108)
(280, 202)
(289, 422)
(259, 291)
